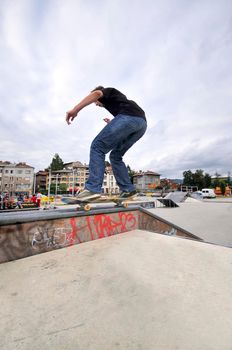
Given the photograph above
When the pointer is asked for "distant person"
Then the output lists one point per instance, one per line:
(127, 127)
(33, 199)
(6, 201)
(19, 202)
(1, 201)
(38, 199)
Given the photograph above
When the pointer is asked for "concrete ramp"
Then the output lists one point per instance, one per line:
(177, 196)
(26, 234)
(133, 291)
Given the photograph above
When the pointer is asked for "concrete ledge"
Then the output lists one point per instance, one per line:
(33, 234)
(138, 290)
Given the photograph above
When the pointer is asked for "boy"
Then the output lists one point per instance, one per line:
(127, 127)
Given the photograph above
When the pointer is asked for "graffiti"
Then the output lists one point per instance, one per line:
(98, 226)
(70, 236)
(49, 237)
(29, 238)
(105, 226)
(171, 232)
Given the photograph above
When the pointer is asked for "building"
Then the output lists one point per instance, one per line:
(109, 185)
(70, 179)
(76, 176)
(146, 180)
(16, 178)
(41, 181)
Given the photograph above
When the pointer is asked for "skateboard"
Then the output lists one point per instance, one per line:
(86, 204)
(119, 202)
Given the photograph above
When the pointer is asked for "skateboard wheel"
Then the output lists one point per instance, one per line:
(125, 205)
(87, 207)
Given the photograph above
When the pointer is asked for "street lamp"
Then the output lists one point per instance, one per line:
(49, 185)
(73, 183)
(34, 189)
(56, 184)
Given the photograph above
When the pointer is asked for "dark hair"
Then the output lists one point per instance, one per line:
(98, 88)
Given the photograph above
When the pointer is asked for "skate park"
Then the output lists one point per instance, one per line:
(118, 278)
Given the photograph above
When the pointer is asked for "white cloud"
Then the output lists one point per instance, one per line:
(172, 57)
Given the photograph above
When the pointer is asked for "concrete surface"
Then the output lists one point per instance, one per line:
(137, 290)
(209, 220)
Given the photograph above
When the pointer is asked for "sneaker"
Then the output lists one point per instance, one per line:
(87, 195)
(128, 194)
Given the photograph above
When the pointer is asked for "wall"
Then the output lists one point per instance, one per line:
(38, 235)
(29, 238)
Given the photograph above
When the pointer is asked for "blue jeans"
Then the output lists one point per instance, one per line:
(117, 136)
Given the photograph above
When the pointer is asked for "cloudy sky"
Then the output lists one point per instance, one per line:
(173, 57)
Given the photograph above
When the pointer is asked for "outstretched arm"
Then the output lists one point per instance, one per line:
(91, 98)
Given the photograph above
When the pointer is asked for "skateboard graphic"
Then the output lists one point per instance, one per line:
(107, 202)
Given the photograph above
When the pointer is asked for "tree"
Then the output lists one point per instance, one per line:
(57, 163)
(188, 178)
(229, 178)
(130, 172)
(207, 181)
(223, 187)
(198, 179)
(216, 182)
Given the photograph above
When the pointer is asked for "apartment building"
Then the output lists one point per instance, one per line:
(41, 181)
(70, 179)
(109, 185)
(146, 180)
(16, 178)
(76, 176)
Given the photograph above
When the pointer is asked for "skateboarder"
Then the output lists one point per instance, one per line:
(128, 126)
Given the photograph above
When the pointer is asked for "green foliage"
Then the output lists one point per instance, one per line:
(42, 190)
(198, 179)
(61, 188)
(223, 187)
(130, 172)
(216, 182)
(57, 163)
(208, 181)
(229, 182)
(188, 178)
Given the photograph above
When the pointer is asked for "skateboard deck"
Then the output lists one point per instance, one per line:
(86, 204)
(119, 202)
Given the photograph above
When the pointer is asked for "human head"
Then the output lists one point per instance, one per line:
(98, 88)
(98, 103)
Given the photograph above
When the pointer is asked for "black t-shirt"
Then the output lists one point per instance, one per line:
(117, 103)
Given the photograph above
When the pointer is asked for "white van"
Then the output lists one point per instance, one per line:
(208, 193)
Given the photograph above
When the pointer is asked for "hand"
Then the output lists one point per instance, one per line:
(70, 115)
(107, 120)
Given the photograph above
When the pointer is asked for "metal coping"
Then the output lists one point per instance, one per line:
(15, 218)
